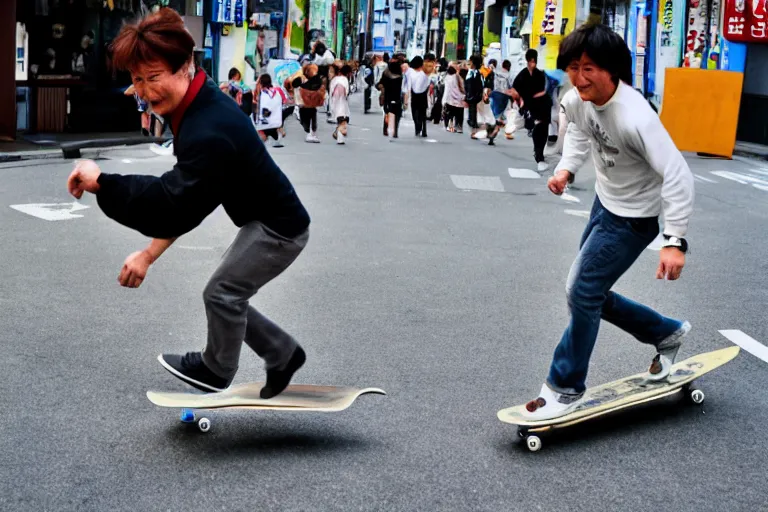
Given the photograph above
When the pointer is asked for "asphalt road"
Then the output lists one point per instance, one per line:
(446, 291)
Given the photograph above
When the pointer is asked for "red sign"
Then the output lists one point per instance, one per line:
(746, 21)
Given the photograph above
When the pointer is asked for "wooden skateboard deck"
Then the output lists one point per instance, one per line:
(622, 393)
(295, 398)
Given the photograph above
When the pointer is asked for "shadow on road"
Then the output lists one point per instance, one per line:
(234, 438)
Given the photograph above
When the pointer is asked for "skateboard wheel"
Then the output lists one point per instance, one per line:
(204, 424)
(533, 443)
(187, 416)
(697, 396)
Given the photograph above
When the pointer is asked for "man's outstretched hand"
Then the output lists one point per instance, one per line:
(558, 182)
(671, 263)
(135, 269)
(84, 178)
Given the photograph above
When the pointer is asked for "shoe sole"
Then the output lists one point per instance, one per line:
(192, 382)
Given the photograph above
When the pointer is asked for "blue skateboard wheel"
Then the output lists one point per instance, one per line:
(187, 415)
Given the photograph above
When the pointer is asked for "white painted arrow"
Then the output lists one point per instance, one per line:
(51, 211)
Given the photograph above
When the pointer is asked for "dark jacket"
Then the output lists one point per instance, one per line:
(221, 161)
(392, 87)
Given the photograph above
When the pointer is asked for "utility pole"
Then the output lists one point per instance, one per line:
(471, 35)
(441, 31)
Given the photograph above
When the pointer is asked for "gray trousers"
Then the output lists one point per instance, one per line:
(256, 256)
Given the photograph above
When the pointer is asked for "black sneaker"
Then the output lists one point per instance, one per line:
(191, 369)
(278, 380)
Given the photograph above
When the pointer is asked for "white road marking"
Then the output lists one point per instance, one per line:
(51, 211)
(195, 248)
(525, 174)
(740, 178)
(364, 129)
(578, 213)
(432, 140)
(760, 187)
(568, 197)
(127, 161)
(729, 176)
(702, 178)
(487, 183)
(746, 342)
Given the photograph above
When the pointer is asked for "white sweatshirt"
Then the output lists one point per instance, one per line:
(638, 165)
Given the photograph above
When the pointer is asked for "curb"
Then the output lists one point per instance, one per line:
(20, 156)
(50, 154)
(751, 154)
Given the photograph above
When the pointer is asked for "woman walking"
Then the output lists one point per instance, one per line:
(339, 102)
(391, 87)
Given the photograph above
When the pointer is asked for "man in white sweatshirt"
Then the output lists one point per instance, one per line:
(639, 172)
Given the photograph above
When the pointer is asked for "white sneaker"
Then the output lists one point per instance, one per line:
(543, 166)
(661, 366)
(278, 143)
(339, 138)
(162, 149)
(550, 404)
(315, 138)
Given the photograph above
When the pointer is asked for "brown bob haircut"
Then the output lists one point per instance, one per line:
(158, 37)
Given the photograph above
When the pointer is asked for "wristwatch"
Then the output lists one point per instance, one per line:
(673, 241)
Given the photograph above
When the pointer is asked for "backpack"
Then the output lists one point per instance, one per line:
(473, 86)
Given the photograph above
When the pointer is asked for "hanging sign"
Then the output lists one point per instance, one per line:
(746, 21)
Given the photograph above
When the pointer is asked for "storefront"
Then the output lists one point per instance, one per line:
(746, 22)
(63, 80)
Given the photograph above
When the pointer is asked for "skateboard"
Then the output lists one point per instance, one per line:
(621, 394)
(295, 398)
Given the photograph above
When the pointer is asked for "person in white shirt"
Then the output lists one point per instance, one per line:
(418, 86)
(640, 174)
(339, 101)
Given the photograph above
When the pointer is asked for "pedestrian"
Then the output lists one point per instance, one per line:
(502, 99)
(339, 102)
(221, 161)
(474, 87)
(453, 100)
(269, 116)
(531, 85)
(312, 91)
(639, 174)
(391, 88)
(418, 88)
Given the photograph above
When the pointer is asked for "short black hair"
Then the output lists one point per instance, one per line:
(417, 62)
(233, 73)
(346, 70)
(506, 64)
(601, 44)
(265, 81)
(531, 55)
(385, 57)
(430, 57)
(477, 61)
(493, 62)
(320, 48)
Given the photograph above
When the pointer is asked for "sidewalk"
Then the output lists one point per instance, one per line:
(48, 145)
(751, 150)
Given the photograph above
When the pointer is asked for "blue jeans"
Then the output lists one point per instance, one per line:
(609, 246)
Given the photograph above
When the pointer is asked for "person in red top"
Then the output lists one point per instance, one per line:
(221, 161)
